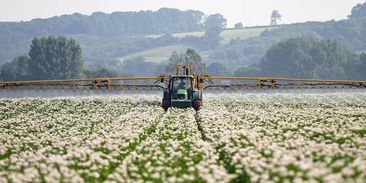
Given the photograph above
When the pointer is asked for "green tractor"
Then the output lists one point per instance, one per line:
(183, 90)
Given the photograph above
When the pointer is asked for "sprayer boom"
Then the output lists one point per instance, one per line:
(184, 89)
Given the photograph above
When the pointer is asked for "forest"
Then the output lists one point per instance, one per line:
(328, 50)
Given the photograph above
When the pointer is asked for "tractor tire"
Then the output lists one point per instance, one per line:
(196, 104)
(165, 104)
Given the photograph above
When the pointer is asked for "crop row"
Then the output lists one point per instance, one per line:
(294, 138)
(69, 139)
(233, 138)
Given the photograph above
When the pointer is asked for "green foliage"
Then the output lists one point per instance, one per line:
(275, 17)
(358, 69)
(49, 58)
(55, 58)
(217, 69)
(16, 69)
(308, 58)
(105, 37)
(239, 25)
(349, 33)
(101, 48)
(138, 66)
(189, 57)
(100, 73)
(251, 71)
(358, 11)
(16, 36)
(241, 52)
(214, 25)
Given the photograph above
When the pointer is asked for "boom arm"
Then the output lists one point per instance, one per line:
(85, 84)
(140, 83)
(241, 83)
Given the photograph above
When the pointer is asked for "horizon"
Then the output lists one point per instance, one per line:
(247, 12)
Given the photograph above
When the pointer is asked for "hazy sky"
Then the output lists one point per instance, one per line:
(249, 12)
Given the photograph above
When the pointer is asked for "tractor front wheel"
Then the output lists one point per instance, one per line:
(165, 104)
(197, 103)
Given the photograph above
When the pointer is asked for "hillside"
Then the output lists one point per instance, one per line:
(162, 53)
(350, 33)
(15, 37)
(110, 41)
(226, 35)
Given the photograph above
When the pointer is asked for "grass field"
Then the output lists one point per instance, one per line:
(226, 35)
(156, 55)
(233, 138)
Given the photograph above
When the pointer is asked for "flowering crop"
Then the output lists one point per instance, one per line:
(289, 137)
(233, 138)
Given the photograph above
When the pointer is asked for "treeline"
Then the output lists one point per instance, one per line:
(350, 33)
(16, 36)
(308, 58)
(60, 58)
(48, 58)
(303, 57)
(97, 48)
(165, 20)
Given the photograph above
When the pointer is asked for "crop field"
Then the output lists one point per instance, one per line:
(226, 35)
(233, 138)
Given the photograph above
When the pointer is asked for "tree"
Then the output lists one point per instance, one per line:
(193, 58)
(214, 25)
(307, 58)
(100, 73)
(189, 57)
(275, 17)
(16, 69)
(138, 66)
(248, 72)
(358, 11)
(360, 67)
(239, 26)
(217, 69)
(55, 58)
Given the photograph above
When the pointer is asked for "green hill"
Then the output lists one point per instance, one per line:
(162, 53)
(15, 37)
(156, 55)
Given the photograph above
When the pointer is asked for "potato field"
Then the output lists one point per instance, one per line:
(234, 138)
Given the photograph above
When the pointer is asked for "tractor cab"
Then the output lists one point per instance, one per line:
(182, 90)
(182, 87)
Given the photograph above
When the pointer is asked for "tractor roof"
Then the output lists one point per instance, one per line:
(181, 76)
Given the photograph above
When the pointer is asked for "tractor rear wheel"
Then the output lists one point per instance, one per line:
(196, 104)
(165, 103)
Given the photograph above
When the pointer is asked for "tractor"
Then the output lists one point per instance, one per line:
(183, 90)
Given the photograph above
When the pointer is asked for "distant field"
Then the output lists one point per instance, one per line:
(226, 35)
(156, 55)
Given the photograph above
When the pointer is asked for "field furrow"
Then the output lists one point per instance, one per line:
(175, 152)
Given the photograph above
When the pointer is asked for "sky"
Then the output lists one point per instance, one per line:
(249, 12)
